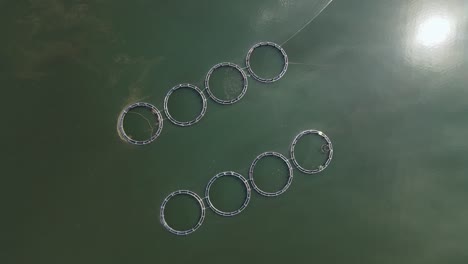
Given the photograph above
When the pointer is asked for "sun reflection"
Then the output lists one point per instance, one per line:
(432, 36)
(434, 31)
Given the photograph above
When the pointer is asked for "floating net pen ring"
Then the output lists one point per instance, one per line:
(188, 231)
(222, 101)
(267, 80)
(290, 177)
(154, 111)
(232, 174)
(328, 147)
(186, 123)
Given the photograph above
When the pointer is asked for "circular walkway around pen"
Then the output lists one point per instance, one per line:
(290, 174)
(228, 174)
(185, 123)
(265, 44)
(188, 231)
(329, 147)
(120, 123)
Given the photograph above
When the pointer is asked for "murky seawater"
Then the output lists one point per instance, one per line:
(388, 92)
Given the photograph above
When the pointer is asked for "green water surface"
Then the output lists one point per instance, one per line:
(392, 100)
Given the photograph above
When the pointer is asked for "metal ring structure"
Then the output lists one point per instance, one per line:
(254, 163)
(222, 174)
(325, 148)
(322, 166)
(120, 125)
(267, 80)
(187, 123)
(182, 232)
(221, 101)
